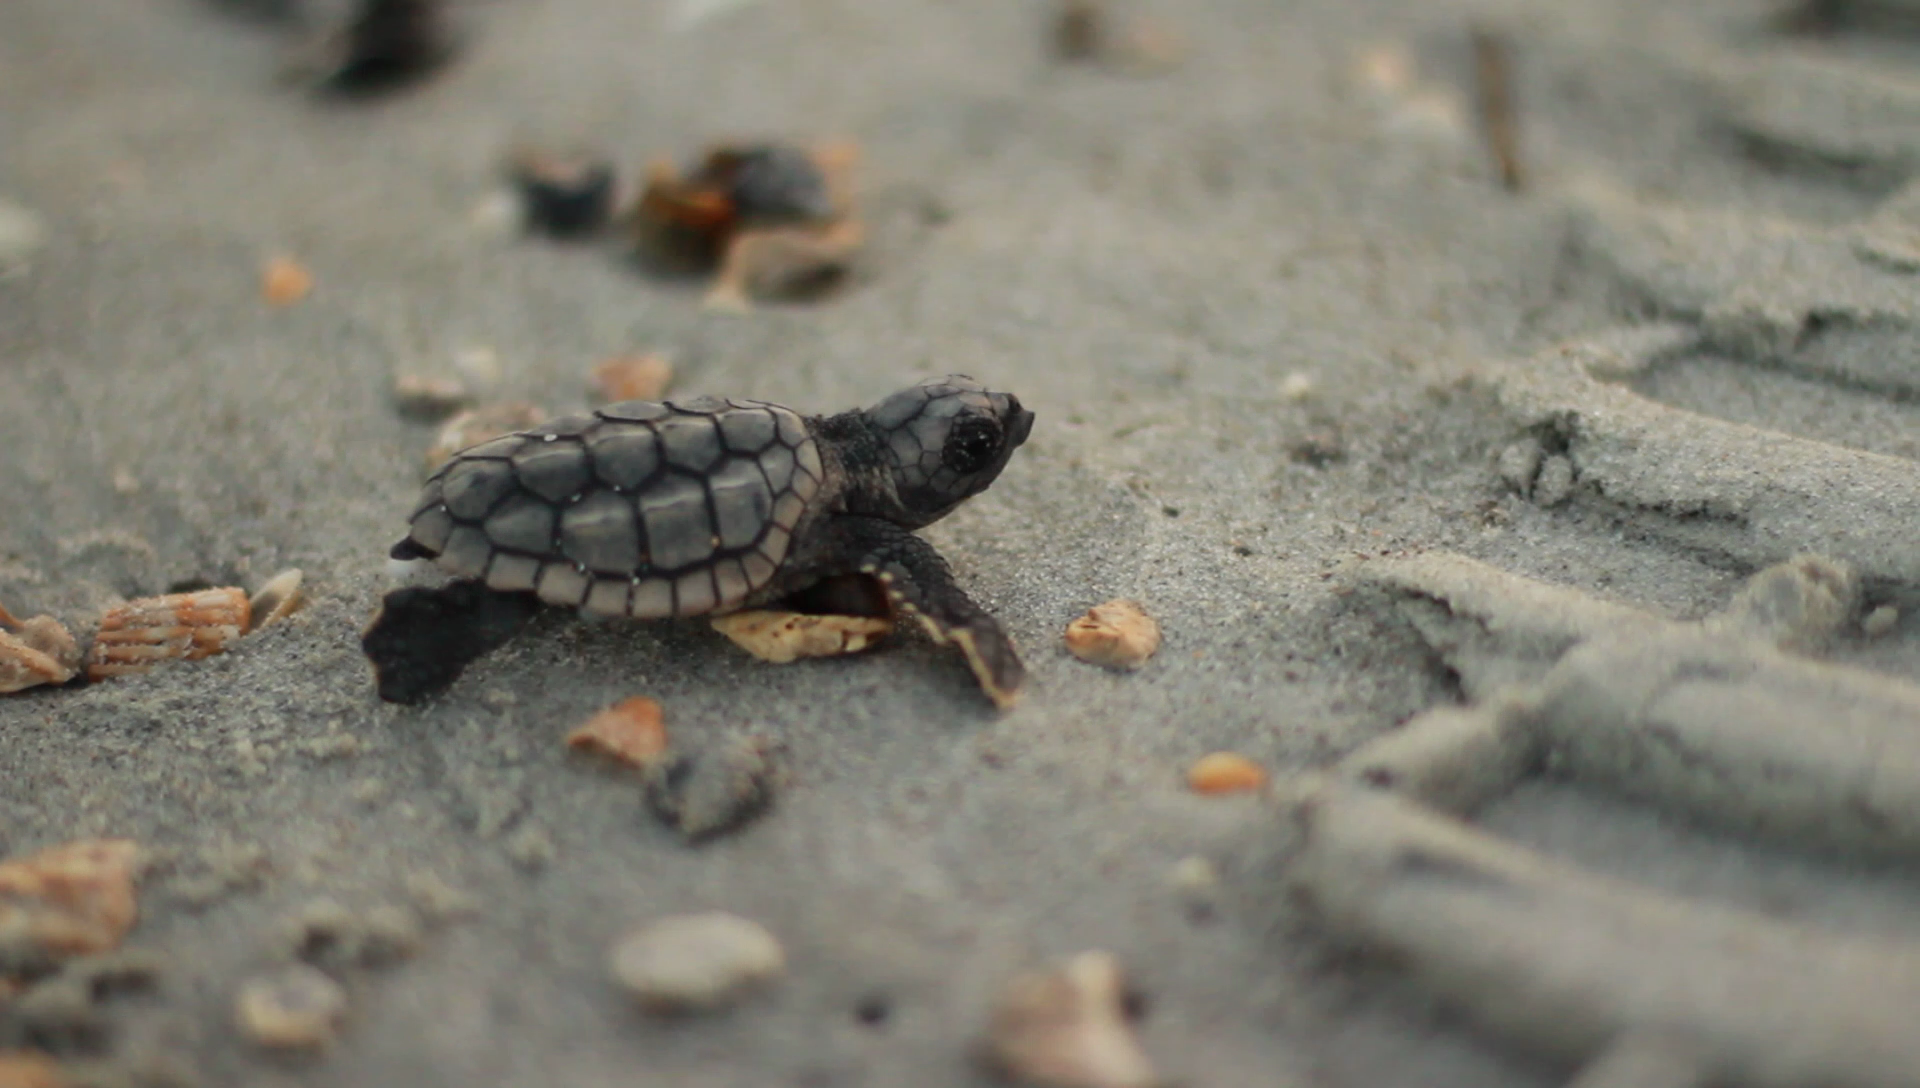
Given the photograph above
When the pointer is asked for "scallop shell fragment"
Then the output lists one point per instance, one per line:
(140, 634)
(782, 637)
(276, 600)
(35, 652)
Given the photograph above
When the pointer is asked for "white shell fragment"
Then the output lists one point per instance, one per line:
(1065, 1026)
(696, 962)
(276, 600)
(299, 1008)
(783, 637)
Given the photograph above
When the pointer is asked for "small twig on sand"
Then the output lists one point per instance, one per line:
(1493, 76)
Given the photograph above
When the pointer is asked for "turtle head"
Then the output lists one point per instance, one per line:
(940, 443)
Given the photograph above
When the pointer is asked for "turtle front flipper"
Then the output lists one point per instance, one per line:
(918, 582)
(423, 638)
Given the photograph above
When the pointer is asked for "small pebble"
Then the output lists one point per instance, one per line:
(1066, 1026)
(631, 377)
(297, 1008)
(1115, 635)
(696, 963)
(1880, 622)
(715, 791)
(783, 637)
(429, 397)
(632, 731)
(1225, 772)
(285, 281)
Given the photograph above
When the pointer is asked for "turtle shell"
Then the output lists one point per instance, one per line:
(638, 509)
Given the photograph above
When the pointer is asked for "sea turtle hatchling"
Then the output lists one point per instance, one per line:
(698, 507)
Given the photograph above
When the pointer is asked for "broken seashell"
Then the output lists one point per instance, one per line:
(140, 634)
(1116, 635)
(1066, 1027)
(631, 377)
(276, 600)
(477, 425)
(35, 652)
(782, 637)
(630, 731)
(76, 899)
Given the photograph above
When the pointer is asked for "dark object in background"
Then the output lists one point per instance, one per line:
(564, 196)
(1076, 30)
(384, 45)
(770, 218)
(767, 184)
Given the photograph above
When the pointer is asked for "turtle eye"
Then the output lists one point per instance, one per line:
(971, 445)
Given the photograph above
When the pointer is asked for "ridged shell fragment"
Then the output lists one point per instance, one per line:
(76, 899)
(188, 626)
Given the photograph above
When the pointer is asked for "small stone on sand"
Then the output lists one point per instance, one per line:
(696, 962)
(1880, 622)
(1115, 635)
(298, 1008)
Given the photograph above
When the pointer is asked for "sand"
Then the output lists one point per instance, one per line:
(1268, 313)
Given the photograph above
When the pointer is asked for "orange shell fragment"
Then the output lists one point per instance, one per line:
(140, 634)
(70, 900)
(631, 731)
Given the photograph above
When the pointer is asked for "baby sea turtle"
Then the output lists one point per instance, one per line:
(698, 507)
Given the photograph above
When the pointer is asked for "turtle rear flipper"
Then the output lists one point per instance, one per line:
(918, 582)
(423, 638)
